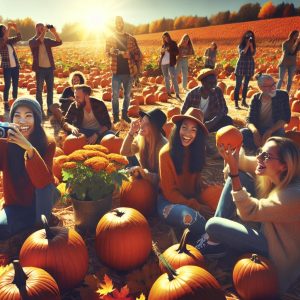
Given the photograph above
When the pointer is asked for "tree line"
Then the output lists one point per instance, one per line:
(247, 12)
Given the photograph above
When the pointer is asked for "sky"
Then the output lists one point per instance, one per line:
(97, 12)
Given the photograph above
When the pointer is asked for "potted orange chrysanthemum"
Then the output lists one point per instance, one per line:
(91, 176)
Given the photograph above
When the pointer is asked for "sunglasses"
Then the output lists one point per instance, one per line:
(264, 156)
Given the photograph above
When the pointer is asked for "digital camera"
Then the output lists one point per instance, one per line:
(49, 26)
(4, 126)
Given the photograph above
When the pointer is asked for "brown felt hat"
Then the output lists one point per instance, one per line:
(206, 72)
(194, 114)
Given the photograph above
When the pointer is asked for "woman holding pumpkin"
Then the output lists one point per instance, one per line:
(26, 157)
(145, 138)
(273, 205)
(180, 163)
(185, 49)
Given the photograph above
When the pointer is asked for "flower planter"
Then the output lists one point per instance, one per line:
(88, 213)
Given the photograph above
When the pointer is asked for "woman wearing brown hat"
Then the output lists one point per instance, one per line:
(145, 138)
(26, 157)
(180, 165)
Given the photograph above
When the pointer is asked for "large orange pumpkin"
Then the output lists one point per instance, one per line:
(172, 111)
(183, 254)
(73, 143)
(294, 124)
(229, 136)
(133, 111)
(168, 127)
(58, 152)
(254, 277)
(123, 239)
(138, 194)
(150, 99)
(58, 250)
(112, 142)
(188, 283)
(211, 195)
(28, 283)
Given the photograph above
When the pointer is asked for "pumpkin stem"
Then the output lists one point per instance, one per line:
(118, 213)
(170, 271)
(49, 234)
(255, 258)
(182, 246)
(20, 276)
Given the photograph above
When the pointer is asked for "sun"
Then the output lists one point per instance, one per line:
(97, 21)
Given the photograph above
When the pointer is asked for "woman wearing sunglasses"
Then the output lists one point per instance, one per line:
(260, 215)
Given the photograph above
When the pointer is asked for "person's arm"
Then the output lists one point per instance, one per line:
(67, 120)
(102, 116)
(40, 169)
(57, 41)
(68, 93)
(18, 37)
(187, 103)
(129, 146)
(281, 207)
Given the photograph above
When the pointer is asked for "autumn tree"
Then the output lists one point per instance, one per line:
(267, 10)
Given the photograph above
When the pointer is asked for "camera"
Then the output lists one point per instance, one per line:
(49, 26)
(116, 52)
(4, 126)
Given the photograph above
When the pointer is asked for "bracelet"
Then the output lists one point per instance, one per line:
(233, 175)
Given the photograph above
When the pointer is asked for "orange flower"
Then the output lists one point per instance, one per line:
(81, 155)
(69, 165)
(118, 158)
(110, 168)
(96, 163)
(96, 147)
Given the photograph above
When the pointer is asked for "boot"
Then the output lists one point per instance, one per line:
(126, 118)
(116, 119)
(236, 104)
(244, 103)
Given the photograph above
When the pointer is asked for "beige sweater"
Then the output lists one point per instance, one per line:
(130, 147)
(280, 218)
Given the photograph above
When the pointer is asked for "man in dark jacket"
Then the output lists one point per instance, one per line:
(269, 112)
(43, 62)
(87, 115)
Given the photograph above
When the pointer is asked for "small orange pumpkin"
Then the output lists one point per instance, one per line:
(296, 106)
(73, 143)
(112, 142)
(133, 111)
(229, 136)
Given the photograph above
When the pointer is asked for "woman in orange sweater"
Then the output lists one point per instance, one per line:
(180, 164)
(26, 156)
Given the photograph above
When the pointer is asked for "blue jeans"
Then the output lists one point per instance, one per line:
(183, 67)
(117, 80)
(44, 74)
(238, 84)
(181, 217)
(168, 71)
(90, 132)
(10, 75)
(241, 236)
(291, 71)
(15, 218)
(248, 140)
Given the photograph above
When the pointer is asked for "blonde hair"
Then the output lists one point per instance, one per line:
(149, 150)
(289, 154)
(190, 44)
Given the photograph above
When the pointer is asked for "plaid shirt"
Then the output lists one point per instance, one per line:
(216, 109)
(135, 55)
(34, 45)
(280, 108)
(245, 64)
(5, 62)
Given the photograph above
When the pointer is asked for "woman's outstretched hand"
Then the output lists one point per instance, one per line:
(231, 157)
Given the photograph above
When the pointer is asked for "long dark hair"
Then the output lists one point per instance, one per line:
(1, 30)
(16, 162)
(167, 34)
(292, 34)
(196, 149)
(243, 41)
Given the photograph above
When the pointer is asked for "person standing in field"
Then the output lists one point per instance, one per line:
(169, 51)
(186, 49)
(43, 61)
(210, 56)
(288, 60)
(245, 66)
(125, 58)
(9, 61)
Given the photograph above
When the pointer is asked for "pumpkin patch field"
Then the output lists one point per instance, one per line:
(122, 258)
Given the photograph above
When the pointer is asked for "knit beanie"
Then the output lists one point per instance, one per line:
(29, 102)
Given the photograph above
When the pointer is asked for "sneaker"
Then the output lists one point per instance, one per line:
(208, 250)
(126, 119)
(116, 119)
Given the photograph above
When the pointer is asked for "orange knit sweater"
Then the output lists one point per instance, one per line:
(177, 188)
(38, 169)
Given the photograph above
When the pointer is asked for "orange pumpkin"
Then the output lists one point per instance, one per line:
(150, 99)
(73, 143)
(159, 79)
(187, 282)
(162, 97)
(222, 86)
(229, 89)
(27, 283)
(296, 106)
(172, 111)
(254, 277)
(10, 102)
(140, 99)
(293, 124)
(211, 195)
(229, 136)
(106, 96)
(58, 152)
(182, 254)
(168, 127)
(60, 89)
(123, 239)
(112, 142)
(192, 84)
(138, 194)
(57, 166)
(58, 250)
(133, 111)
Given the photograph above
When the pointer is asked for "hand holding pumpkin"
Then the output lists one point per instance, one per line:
(231, 157)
